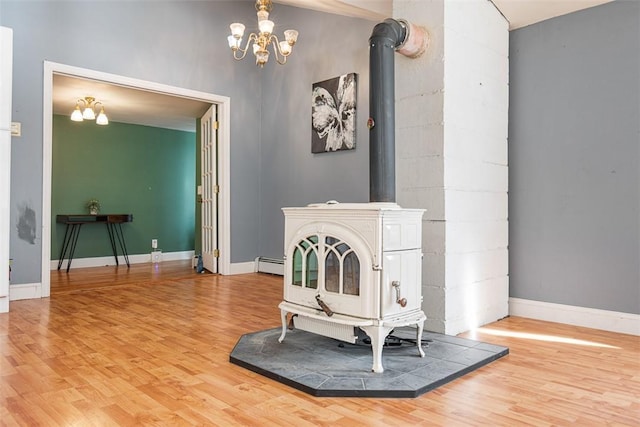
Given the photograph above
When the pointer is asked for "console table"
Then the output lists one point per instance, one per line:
(74, 223)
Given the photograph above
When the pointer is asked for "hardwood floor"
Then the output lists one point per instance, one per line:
(150, 346)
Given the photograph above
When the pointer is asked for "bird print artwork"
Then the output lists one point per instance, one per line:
(333, 106)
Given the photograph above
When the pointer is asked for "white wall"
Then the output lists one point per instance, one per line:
(476, 166)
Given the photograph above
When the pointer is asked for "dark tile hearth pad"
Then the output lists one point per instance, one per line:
(325, 367)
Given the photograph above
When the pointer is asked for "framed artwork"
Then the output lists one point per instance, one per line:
(333, 114)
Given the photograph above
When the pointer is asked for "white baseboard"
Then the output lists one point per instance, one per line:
(109, 260)
(234, 268)
(241, 268)
(25, 291)
(4, 304)
(613, 321)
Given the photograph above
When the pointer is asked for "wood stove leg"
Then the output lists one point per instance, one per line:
(419, 337)
(377, 335)
(283, 316)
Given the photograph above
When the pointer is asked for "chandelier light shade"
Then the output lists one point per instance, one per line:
(87, 111)
(76, 116)
(260, 42)
(102, 118)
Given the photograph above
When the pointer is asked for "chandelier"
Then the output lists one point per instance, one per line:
(88, 111)
(262, 40)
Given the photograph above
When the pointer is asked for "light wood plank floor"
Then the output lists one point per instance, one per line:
(150, 346)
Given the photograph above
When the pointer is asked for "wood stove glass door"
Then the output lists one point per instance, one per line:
(336, 266)
(341, 268)
(305, 263)
(346, 283)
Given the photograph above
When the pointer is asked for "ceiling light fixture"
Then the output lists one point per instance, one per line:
(89, 105)
(262, 40)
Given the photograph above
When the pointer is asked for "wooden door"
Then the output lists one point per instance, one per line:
(210, 190)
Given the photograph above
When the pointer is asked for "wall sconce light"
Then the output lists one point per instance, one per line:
(87, 112)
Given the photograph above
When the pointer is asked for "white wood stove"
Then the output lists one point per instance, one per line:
(358, 265)
(353, 265)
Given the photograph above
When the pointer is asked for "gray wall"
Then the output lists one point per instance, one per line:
(290, 175)
(574, 152)
(176, 43)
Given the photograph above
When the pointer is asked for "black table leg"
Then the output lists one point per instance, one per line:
(65, 245)
(117, 228)
(69, 242)
(115, 233)
(113, 242)
(75, 232)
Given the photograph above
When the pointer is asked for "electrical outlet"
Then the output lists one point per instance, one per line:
(16, 129)
(154, 243)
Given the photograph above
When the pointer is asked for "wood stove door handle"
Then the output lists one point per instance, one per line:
(401, 301)
(324, 306)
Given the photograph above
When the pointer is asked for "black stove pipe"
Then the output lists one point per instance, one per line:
(385, 38)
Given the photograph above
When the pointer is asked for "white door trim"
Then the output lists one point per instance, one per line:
(224, 118)
(6, 86)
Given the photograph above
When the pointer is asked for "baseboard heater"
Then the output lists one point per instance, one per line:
(270, 265)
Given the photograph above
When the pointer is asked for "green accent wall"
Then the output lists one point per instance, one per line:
(145, 171)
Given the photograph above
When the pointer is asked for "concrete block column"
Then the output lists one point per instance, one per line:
(451, 154)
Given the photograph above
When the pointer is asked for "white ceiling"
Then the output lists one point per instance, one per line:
(521, 13)
(130, 105)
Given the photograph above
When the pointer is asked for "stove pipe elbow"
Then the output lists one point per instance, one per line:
(387, 37)
(415, 40)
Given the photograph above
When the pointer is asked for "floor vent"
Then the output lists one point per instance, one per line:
(270, 265)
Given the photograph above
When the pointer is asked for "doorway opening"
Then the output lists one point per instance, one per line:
(223, 160)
